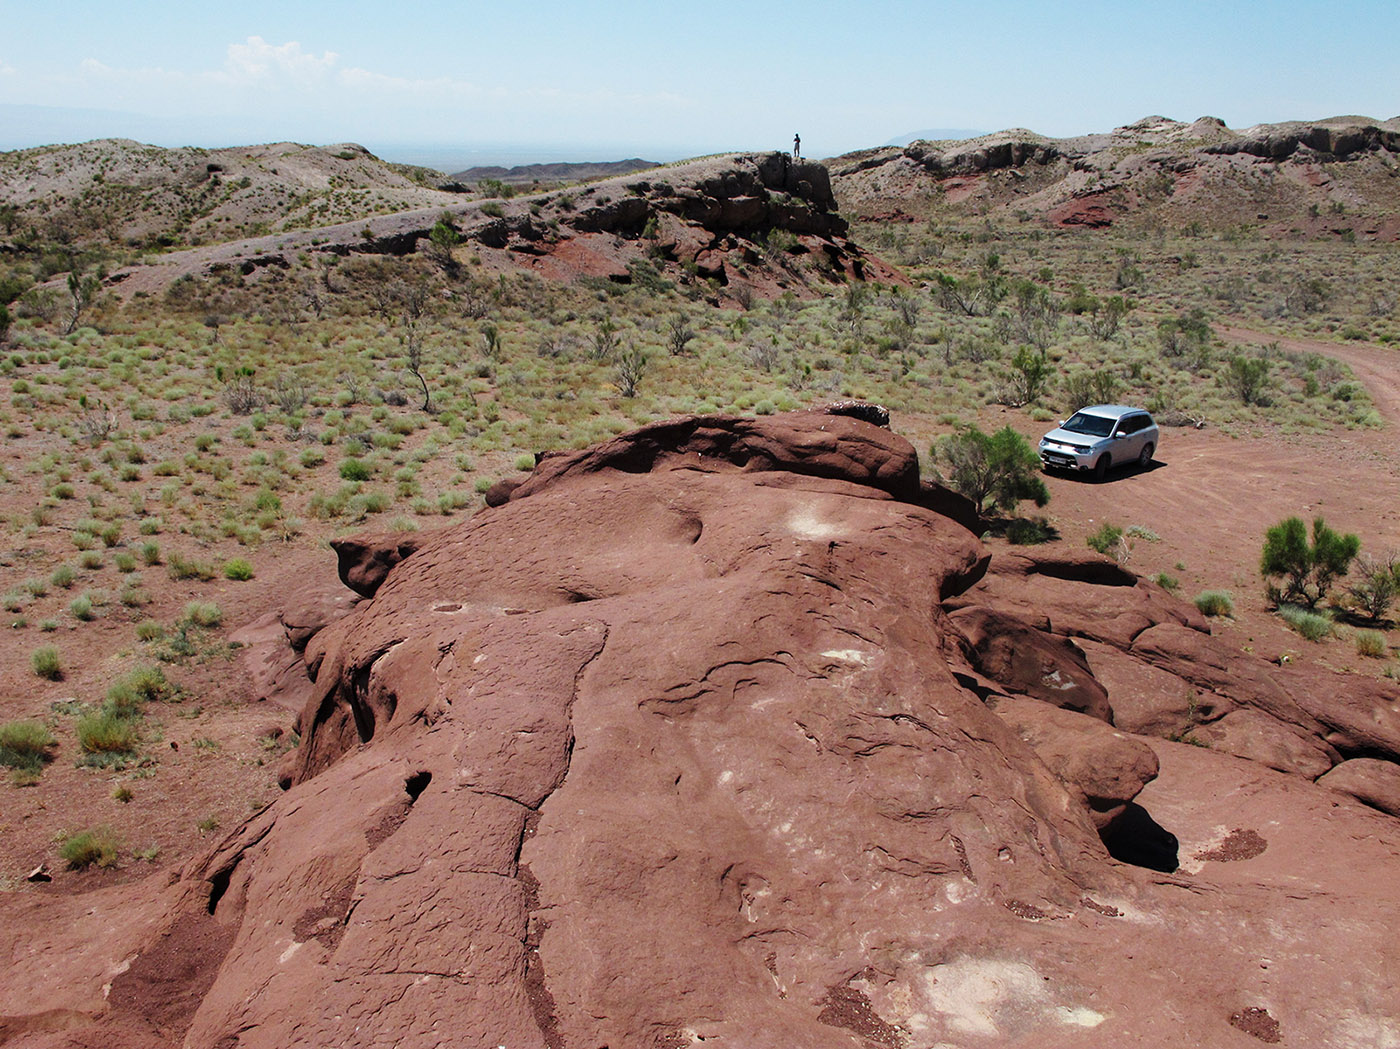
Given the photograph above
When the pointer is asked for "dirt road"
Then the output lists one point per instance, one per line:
(1211, 496)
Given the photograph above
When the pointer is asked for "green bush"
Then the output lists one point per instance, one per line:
(1000, 467)
(203, 614)
(105, 733)
(25, 745)
(1029, 531)
(1215, 603)
(188, 568)
(46, 663)
(96, 847)
(129, 694)
(1312, 625)
(1106, 540)
(355, 470)
(238, 570)
(81, 608)
(1371, 643)
(1299, 572)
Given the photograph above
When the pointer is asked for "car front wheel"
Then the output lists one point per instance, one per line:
(1101, 467)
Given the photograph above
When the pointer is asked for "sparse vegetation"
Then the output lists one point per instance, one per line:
(98, 847)
(46, 663)
(25, 745)
(1218, 603)
(1311, 625)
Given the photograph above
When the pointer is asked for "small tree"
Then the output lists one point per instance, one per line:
(631, 364)
(1299, 572)
(1030, 371)
(1104, 318)
(1377, 586)
(81, 289)
(1001, 467)
(4, 321)
(442, 239)
(1247, 378)
(679, 334)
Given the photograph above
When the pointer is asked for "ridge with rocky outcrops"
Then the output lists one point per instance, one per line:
(726, 731)
(1298, 177)
(740, 225)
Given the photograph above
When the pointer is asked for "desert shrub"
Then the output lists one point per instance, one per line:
(97, 847)
(630, 366)
(150, 552)
(1169, 583)
(25, 745)
(1299, 572)
(1085, 386)
(182, 567)
(91, 560)
(1215, 603)
(149, 630)
(1312, 625)
(203, 614)
(107, 734)
(1001, 467)
(125, 563)
(356, 470)
(1107, 540)
(525, 462)
(63, 576)
(146, 684)
(46, 663)
(238, 570)
(1377, 585)
(81, 608)
(1247, 378)
(1370, 643)
(1029, 531)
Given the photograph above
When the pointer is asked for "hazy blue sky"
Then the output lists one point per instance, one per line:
(600, 80)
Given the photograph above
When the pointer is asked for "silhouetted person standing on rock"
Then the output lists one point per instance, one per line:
(796, 147)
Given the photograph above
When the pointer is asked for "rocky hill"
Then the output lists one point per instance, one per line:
(126, 194)
(727, 730)
(746, 224)
(1331, 177)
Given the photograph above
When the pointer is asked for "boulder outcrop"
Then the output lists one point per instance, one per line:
(713, 733)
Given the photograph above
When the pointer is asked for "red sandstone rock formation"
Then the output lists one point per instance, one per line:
(715, 733)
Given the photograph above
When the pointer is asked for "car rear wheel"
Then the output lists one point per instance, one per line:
(1145, 459)
(1101, 467)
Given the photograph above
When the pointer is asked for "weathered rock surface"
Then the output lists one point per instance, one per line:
(1374, 782)
(706, 734)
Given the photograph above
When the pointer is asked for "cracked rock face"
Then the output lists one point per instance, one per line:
(679, 743)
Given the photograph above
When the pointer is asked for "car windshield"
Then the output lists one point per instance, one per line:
(1092, 425)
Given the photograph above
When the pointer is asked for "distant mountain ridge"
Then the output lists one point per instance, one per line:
(526, 174)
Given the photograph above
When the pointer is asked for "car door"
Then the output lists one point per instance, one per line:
(1129, 447)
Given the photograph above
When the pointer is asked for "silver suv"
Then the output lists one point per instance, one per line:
(1098, 437)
